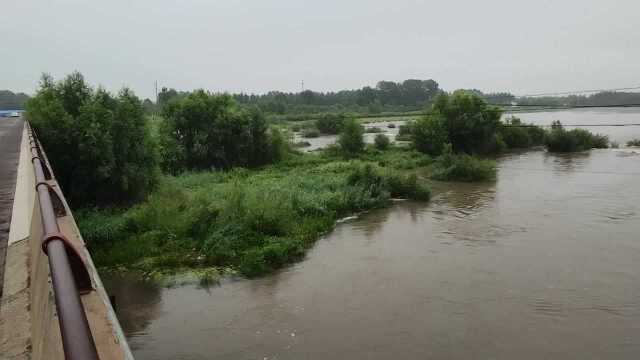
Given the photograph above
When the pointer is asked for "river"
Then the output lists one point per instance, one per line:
(543, 263)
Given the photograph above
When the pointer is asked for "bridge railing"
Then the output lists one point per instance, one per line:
(69, 275)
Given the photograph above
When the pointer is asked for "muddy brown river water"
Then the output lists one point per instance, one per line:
(543, 263)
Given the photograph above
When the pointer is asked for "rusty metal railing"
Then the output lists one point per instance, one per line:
(69, 276)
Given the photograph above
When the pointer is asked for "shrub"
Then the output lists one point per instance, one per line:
(404, 132)
(558, 139)
(99, 144)
(204, 131)
(634, 142)
(310, 133)
(351, 139)
(470, 123)
(514, 135)
(330, 123)
(463, 167)
(429, 135)
(381, 142)
(373, 130)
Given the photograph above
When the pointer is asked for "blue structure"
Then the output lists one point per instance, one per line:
(7, 113)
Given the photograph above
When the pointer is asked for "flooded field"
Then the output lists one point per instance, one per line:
(543, 263)
(620, 134)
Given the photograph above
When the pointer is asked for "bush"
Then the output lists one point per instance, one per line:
(310, 133)
(463, 167)
(560, 140)
(351, 139)
(373, 130)
(330, 123)
(381, 142)
(99, 145)
(470, 123)
(514, 134)
(634, 142)
(204, 131)
(430, 135)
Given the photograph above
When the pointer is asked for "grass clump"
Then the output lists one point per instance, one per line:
(463, 167)
(559, 139)
(252, 221)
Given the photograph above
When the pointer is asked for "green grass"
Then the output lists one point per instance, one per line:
(252, 221)
(463, 167)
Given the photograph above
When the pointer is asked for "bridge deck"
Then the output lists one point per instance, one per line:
(10, 138)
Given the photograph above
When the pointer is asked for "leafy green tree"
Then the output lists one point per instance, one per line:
(471, 124)
(429, 134)
(351, 138)
(381, 142)
(99, 146)
(204, 131)
(330, 123)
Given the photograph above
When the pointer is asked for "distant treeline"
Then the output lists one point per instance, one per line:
(385, 97)
(598, 99)
(12, 101)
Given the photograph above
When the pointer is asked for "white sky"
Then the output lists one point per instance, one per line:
(260, 45)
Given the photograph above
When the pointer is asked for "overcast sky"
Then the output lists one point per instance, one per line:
(259, 45)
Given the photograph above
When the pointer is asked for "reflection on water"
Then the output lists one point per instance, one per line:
(540, 264)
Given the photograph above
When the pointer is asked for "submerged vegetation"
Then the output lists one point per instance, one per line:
(558, 139)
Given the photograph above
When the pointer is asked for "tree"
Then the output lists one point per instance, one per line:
(99, 146)
(471, 124)
(204, 131)
(429, 134)
(351, 139)
(330, 123)
(381, 142)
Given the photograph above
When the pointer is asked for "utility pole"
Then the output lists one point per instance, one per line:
(302, 86)
(155, 113)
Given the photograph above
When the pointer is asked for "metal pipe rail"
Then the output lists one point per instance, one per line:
(77, 340)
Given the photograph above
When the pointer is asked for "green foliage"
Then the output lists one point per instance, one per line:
(330, 123)
(373, 130)
(634, 142)
(386, 96)
(429, 134)
(558, 139)
(514, 135)
(252, 220)
(351, 139)
(381, 142)
(12, 101)
(99, 145)
(463, 167)
(204, 131)
(310, 133)
(471, 124)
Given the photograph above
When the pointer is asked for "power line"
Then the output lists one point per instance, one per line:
(568, 106)
(580, 91)
(571, 125)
